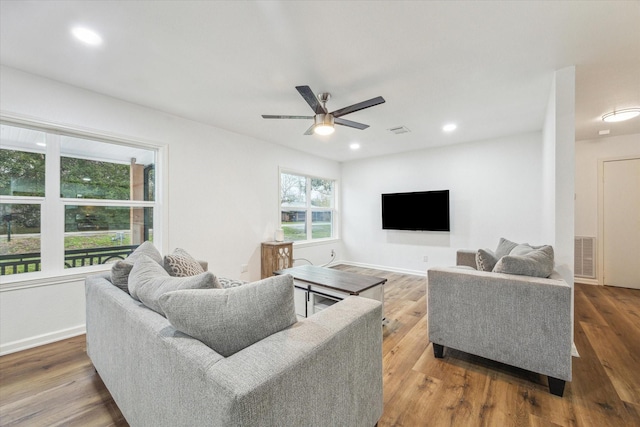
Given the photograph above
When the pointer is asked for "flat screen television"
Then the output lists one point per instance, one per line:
(423, 211)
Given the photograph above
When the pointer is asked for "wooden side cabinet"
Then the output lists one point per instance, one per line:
(276, 256)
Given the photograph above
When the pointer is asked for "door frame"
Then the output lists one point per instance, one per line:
(600, 237)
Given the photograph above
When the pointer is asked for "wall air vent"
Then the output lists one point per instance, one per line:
(399, 129)
(585, 257)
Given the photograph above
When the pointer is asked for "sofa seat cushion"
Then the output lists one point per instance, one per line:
(535, 262)
(149, 280)
(228, 320)
(120, 270)
(181, 264)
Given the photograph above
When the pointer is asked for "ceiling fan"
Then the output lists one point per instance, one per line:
(323, 120)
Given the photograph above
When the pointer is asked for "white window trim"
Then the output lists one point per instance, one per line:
(335, 209)
(51, 249)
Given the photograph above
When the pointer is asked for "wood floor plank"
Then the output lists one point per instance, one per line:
(56, 385)
(622, 366)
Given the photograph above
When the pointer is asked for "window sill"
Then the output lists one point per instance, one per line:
(319, 242)
(31, 280)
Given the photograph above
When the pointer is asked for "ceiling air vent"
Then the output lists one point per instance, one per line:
(399, 129)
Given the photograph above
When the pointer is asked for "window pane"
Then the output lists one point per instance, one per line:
(19, 238)
(321, 224)
(294, 224)
(99, 170)
(21, 161)
(104, 234)
(293, 191)
(321, 193)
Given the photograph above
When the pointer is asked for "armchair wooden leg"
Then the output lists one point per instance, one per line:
(438, 351)
(556, 386)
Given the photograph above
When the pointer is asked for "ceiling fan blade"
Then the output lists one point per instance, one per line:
(349, 123)
(311, 99)
(271, 116)
(359, 106)
(310, 130)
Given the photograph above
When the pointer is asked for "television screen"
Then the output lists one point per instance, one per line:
(424, 211)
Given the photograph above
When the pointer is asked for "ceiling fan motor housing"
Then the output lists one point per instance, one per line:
(324, 119)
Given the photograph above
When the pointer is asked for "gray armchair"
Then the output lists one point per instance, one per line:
(517, 320)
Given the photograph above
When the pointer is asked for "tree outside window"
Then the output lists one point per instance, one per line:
(307, 207)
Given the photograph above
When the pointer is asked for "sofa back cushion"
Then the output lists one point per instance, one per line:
(228, 320)
(535, 262)
(149, 280)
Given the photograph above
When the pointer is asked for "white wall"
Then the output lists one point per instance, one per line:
(222, 199)
(589, 153)
(495, 191)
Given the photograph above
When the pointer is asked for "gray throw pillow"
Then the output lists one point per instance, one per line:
(537, 263)
(504, 247)
(120, 270)
(181, 264)
(150, 280)
(485, 260)
(229, 320)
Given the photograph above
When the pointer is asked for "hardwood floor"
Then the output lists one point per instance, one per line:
(56, 385)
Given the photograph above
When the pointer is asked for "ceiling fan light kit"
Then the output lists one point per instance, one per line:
(323, 124)
(323, 120)
(621, 115)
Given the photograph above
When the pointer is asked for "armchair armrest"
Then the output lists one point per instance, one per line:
(466, 257)
(518, 320)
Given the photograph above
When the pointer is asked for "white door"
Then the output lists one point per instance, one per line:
(621, 223)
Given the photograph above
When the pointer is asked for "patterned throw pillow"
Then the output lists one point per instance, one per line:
(485, 260)
(181, 264)
(231, 283)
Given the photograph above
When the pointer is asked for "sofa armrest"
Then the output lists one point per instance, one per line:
(204, 264)
(332, 359)
(466, 257)
(518, 320)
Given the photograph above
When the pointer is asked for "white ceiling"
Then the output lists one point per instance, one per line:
(487, 66)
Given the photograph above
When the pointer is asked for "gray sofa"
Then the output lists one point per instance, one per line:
(517, 320)
(324, 370)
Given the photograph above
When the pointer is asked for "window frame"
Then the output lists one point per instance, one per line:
(53, 205)
(309, 208)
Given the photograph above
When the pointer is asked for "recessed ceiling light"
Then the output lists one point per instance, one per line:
(41, 144)
(621, 115)
(87, 36)
(604, 132)
(354, 146)
(450, 127)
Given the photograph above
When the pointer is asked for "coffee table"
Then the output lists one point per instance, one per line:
(316, 288)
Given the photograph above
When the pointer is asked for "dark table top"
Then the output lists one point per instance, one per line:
(344, 281)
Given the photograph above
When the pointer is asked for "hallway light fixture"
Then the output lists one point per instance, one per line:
(621, 115)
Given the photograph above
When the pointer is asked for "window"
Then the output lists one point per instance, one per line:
(307, 207)
(93, 200)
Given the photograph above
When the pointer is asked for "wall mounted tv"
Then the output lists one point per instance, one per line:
(423, 211)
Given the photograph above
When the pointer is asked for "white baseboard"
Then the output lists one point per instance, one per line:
(24, 344)
(385, 268)
(585, 281)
